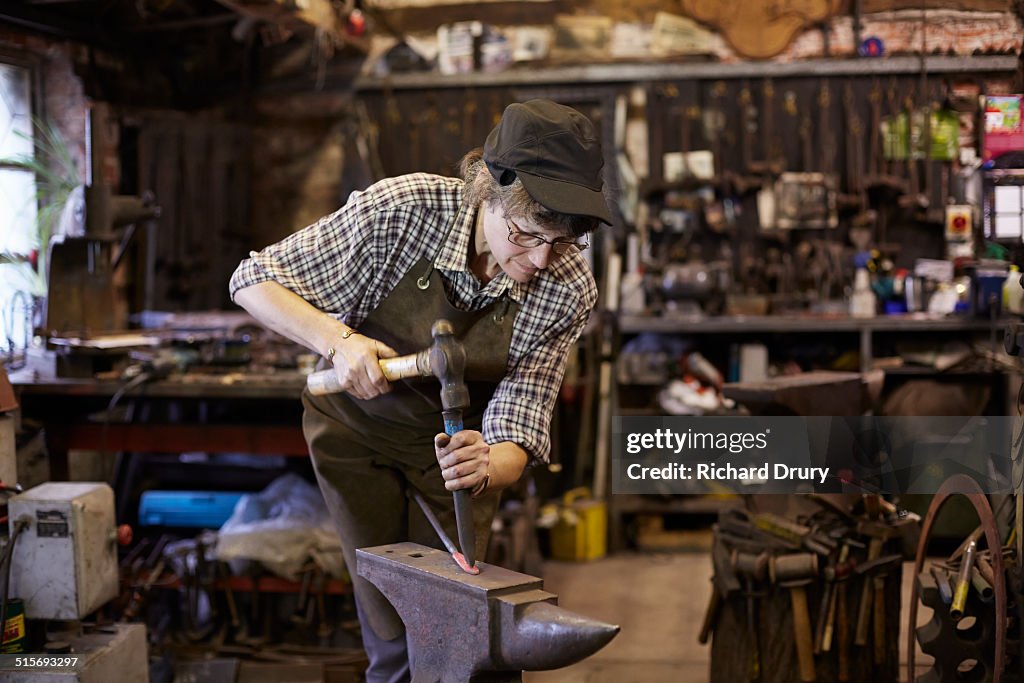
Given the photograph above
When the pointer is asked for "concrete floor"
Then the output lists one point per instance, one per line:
(659, 601)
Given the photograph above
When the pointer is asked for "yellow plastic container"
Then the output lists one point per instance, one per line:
(581, 532)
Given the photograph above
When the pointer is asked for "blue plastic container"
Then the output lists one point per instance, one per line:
(196, 509)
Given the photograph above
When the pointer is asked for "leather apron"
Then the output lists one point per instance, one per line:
(367, 453)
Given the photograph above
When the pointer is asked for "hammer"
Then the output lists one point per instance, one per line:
(752, 569)
(795, 571)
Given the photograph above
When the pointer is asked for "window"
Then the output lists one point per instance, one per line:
(19, 282)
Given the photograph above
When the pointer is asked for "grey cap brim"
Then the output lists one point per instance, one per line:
(564, 197)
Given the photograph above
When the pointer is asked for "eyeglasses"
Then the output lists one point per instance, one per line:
(529, 240)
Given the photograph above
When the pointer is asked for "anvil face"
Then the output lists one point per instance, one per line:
(460, 625)
(430, 566)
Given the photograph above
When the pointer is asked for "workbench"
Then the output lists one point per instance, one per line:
(236, 413)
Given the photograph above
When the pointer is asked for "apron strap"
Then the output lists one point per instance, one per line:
(499, 315)
(423, 281)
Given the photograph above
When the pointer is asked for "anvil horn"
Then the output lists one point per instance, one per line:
(464, 627)
(541, 635)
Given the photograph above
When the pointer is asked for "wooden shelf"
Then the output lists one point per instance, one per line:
(643, 72)
(265, 584)
(633, 324)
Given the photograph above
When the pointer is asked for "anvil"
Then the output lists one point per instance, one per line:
(486, 627)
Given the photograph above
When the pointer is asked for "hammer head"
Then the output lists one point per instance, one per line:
(448, 363)
(749, 565)
(794, 569)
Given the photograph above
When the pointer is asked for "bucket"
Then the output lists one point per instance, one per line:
(581, 531)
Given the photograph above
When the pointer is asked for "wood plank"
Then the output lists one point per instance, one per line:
(180, 438)
(427, 19)
(869, 6)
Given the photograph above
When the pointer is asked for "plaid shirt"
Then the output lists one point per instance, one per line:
(347, 262)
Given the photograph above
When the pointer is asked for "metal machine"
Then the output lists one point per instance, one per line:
(65, 561)
(64, 567)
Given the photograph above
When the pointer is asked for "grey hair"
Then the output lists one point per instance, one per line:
(482, 188)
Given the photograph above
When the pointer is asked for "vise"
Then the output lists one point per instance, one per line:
(485, 627)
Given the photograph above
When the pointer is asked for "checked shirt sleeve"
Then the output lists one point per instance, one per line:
(524, 401)
(329, 263)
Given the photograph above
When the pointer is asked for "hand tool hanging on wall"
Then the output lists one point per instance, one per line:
(656, 97)
(748, 122)
(879, 171)
(914, 199)
(826, 131)
(854, 181)
(689, 117)
(807, 142)
(895, 146)
(774, 158)
(714, 130)
(875, 146)
(719, 214)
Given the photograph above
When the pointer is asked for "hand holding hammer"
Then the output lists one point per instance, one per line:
(363, 367)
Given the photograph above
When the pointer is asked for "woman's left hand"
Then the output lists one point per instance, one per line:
(464, 459)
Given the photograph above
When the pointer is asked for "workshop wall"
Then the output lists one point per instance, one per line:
(298, 157)
(293, 155)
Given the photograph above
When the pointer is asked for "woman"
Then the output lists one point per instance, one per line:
(497, 253)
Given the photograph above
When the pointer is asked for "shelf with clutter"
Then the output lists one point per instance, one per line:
(857, 215)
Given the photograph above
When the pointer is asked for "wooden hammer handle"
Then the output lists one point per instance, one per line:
(802, 634)
(843, 617)
(413, 365)
(394, 369)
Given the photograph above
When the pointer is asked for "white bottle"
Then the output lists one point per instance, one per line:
(1013, 293)
(863, 302)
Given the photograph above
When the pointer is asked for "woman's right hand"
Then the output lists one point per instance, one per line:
(355, 364)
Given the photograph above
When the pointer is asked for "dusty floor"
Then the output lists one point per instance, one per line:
(659, 601)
